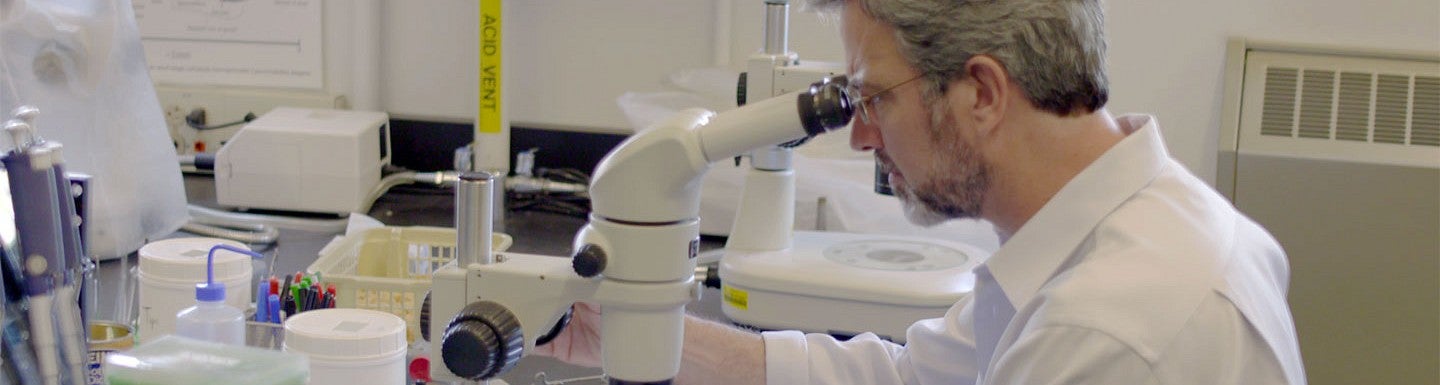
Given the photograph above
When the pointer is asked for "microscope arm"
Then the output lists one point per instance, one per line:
(655, 175)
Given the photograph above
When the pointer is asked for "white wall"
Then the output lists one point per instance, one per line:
(570, 59)
(567, 59)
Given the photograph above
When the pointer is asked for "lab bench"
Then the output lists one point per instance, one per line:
(534, 232)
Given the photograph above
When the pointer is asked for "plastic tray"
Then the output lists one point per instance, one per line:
(388, 268)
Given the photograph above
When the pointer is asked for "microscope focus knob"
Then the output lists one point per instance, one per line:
(483, 341)
(589, 261)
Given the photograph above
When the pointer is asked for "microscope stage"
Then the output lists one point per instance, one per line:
(847, 284)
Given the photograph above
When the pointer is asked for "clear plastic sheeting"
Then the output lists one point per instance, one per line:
(709, 88)
(80, 62)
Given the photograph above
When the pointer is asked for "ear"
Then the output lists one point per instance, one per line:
(992, 87)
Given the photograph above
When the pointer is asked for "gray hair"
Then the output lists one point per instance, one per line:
(1054, 49)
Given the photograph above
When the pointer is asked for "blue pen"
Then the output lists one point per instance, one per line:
(262, 308)
(273, 303)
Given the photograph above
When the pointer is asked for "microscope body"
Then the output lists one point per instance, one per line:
(635, 258)
(537, 291)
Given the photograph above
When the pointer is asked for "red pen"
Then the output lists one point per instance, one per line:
(274, 285)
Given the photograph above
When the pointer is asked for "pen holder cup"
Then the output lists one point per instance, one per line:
(264, 335)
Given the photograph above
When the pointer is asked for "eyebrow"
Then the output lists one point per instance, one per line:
(853, 76)
(860, 84)
(870, 89)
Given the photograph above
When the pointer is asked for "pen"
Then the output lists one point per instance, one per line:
(319, 298)
(303, 298)
(314, 296)
(299, 293)
(295, 290)
(273, 303)
(262, 294)
(285, 301)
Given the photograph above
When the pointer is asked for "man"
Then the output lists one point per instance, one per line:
(1117, 267)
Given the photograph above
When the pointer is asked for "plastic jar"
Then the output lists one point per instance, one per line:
(169, 270)
(349, 346)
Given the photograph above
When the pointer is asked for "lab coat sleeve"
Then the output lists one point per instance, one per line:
(1072, 356)
(938, 351)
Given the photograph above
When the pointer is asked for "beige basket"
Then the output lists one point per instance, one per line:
(388, 268)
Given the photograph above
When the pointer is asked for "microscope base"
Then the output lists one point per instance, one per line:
(847, 284)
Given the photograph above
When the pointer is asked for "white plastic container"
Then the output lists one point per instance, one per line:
(349, 346)
(169, 270)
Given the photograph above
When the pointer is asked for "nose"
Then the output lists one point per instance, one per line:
(864, 136)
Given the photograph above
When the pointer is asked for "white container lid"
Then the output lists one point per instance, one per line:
(183, 259)
(345, 334)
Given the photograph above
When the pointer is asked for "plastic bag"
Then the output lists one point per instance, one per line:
(80, 62)
(709, 88)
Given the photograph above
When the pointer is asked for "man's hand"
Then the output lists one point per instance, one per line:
(579, 342)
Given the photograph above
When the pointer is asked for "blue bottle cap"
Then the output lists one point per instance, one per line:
(210, 292)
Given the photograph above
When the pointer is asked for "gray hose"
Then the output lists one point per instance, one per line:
(206, 218)
(209, 215)
(255, 234)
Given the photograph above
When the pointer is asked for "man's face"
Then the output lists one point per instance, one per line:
(935, 171)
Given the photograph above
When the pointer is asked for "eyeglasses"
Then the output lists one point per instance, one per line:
(867, 113)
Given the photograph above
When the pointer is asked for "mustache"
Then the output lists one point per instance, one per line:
(886, 165)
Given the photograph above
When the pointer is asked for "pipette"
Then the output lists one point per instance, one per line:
(32, 187)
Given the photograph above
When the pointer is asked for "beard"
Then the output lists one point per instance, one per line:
(955, 188)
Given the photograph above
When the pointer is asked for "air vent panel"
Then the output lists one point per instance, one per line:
(1316, 102)
(1280, 87)
(1392, 94)
(1425, 118)
(1352, 118)
(1364, 107)
(1339, 107)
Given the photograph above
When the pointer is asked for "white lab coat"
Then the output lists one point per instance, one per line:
(1136, 272)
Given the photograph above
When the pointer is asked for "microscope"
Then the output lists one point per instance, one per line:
(635, 258)
(775, 277)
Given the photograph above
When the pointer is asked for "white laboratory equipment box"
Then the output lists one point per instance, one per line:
(311, 160)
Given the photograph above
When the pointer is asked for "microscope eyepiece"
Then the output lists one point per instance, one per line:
(826, 106)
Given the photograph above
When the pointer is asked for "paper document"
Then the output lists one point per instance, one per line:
(257, 43)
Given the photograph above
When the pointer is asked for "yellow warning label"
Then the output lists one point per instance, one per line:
(740, 299)
(487, 118)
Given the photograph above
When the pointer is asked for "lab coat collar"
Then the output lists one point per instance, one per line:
(1032, 256)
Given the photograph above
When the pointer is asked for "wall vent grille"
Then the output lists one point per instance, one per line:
(1350, 105)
